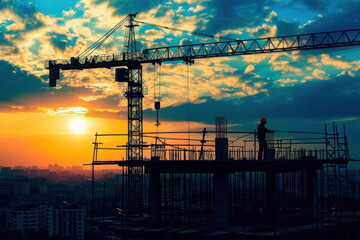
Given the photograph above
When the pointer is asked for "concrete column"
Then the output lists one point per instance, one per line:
(221, 149)
(221, 184)
(155, 194)
(221, 198)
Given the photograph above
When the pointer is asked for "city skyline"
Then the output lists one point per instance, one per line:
(297, 91)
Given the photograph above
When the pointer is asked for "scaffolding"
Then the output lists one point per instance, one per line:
(216, 181)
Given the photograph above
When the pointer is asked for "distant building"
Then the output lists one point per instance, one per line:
(6, 192)
(66, 222)
(3, 219)
(5, 172)
(24, 220)
(22, 186)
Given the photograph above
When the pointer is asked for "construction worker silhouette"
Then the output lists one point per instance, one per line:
(261, 136)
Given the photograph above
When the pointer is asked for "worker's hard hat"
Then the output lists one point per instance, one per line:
(263, 119)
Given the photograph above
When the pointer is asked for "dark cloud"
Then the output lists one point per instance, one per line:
(286, 28)
(230, 14)
(16, 83)
(130, 6)
(61, 41)
(26, 10)
(337, 15)
(3, 40)
(161, 11)
(317, 100)
(318, 5)
(18, 88)
(345, 16)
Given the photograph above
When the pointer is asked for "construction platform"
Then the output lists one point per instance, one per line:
(229, 166)
(218, 190)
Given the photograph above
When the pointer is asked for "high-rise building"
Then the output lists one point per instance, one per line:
(66, 222)
(24, 220)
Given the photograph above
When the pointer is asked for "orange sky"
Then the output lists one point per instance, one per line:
(39, 139)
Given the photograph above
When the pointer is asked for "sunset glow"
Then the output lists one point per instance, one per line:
(78, 125)
(298, 90)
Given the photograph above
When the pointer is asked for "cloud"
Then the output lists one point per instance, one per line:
(285, 28)
(197, 9)
(351, 74)
(342, 14)
(3, 39)
(318, 74)
(210, 79)
(284, 65)
(231, 14)
(23, 92)
(317, 100)
(255, 58)
(263, 31)
(191, 1)
(287, 82)
(70, 12)
(61, 41)
(151, 35)
(123, 7)
(65, 111)
(337, 63)
(319, 5)
(16, 83)
(271, 15)
(23, 14)
(249, 69)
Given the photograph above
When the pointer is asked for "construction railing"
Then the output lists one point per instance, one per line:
(200, 145)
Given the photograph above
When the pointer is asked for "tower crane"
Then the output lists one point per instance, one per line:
(132, 59)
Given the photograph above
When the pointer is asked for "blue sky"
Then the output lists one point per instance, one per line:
(295, 91)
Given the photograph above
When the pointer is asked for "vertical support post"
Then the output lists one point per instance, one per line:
(103, 205)
(154, 193)
(311, 190)
(203, 141)
(221, 176)
(96, 144)
(92, 195)
(270, 193)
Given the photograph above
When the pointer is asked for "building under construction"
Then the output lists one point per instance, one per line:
(212, 186)
(209, 184)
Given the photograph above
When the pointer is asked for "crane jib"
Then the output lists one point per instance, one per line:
(215, 49)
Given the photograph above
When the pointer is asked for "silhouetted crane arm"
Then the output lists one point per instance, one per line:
(253, 46)
(208, 50)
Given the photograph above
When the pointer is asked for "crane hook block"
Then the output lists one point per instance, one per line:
(54, 75)
(157, 105)
(121, 75)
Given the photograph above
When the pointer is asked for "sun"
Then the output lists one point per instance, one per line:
(77, 125)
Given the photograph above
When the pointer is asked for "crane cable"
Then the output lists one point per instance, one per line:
(188, 103)
(185, 31)
(157, 93)
(101, 40)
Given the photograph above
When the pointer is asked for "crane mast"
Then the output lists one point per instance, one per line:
(134, 146)
(134, 94)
